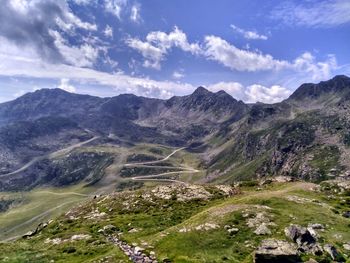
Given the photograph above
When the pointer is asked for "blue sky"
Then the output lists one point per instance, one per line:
(255, 50)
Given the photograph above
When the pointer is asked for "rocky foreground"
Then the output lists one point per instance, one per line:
(267, 222)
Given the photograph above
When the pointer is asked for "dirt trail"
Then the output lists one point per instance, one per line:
(49, 155)
(64, 193)
(157, 161)
(154, 177)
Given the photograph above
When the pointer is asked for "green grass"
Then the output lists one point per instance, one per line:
(74, 252)
(217, 245)
(158, 221)
(326, 158)
(38, 206)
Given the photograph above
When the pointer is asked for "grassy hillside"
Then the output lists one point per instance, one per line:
(187, 223)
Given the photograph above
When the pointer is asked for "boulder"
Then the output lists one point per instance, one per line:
(276, 251)
(300, 235)
(37, 230)
(262, 230)
(331, 250)
(346, 246)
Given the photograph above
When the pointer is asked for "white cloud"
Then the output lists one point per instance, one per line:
(83, 2)
(66, 86)
(178, 75)
(108, 32)
(81, 56)
(115, 7)
(234, 58)
(252, 93)
(271, 94)
(13, 63)
(30, 23)
(235, 89)
(230, 56)
(158, 44)
(317, 70)
(135, 13)
(153, 55)
(313, 13)
(21, 6)
(71, 21)
(249, 34)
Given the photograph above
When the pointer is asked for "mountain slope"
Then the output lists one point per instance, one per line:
(305, 136)
(190, 223)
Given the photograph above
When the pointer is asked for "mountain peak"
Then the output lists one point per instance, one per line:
(201, 91)
(340, 77)
(338, 84)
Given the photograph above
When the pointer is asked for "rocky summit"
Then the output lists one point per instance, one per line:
(196, 178)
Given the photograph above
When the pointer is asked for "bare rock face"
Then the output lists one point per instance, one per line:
(276, 251)
(300, 235)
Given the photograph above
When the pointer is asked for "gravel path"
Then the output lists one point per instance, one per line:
(155, 177)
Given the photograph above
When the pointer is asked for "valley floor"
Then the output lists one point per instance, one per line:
(166, 218)
(42, 204)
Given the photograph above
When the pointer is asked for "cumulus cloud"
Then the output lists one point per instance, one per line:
(31, 66)
(28, 23)
(249, 34)
(15, 65)
(157, 45)
(66, 86)
(252, 93)
(220, 50)
(317, 70)
(235, 89)
(146, 89)
(271, 94)
(153, 55)
(313, 13)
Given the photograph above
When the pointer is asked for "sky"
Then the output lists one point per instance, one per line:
(254, 50)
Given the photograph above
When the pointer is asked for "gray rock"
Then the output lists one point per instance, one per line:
(37, 230)
(346, 246)
(300, 235)
(232, 230)
(331, 250)
(316, 226)
(276, 251)
(262, 230)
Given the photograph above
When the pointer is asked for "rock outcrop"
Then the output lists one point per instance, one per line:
(276, 251)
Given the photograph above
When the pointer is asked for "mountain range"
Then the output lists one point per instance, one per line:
(305, 136)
